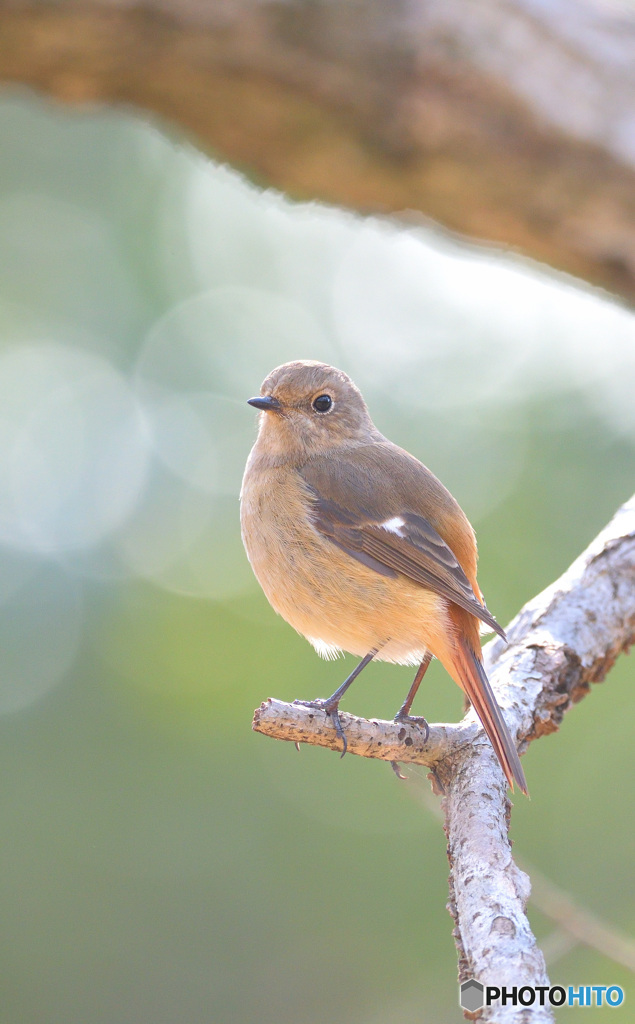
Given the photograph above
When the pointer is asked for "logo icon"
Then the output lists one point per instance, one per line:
(471, 995)
(474, 996)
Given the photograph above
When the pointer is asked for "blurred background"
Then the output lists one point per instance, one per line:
(160, 862)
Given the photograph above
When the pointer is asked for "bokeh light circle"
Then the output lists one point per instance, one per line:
(73, 448)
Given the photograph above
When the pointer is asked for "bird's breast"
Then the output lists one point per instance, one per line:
(325, 594)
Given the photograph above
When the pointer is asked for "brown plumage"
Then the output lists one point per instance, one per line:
(359, 546)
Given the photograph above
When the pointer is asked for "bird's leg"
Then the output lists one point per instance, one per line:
(331, 705)
(403, 715)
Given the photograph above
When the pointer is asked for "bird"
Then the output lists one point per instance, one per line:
(361, 548)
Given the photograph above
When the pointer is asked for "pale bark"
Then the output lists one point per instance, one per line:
(511, 121)
(562, 641)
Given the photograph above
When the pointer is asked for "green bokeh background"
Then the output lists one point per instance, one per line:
(160, 862)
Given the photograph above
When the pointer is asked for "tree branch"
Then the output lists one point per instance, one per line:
(562, 641)
(507, 120)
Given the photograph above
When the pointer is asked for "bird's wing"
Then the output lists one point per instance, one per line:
(383, 534)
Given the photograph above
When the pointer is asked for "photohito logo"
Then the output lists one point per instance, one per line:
(474, 996)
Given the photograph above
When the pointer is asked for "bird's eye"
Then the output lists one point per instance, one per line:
(322, 403)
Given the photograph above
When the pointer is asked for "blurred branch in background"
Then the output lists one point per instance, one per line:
(509, 121)
(575, 923)
(563, 640)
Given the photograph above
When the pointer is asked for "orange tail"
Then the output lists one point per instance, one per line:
(473, 680)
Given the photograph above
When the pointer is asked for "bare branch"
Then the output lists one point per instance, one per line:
(388, 741)
(562, 641)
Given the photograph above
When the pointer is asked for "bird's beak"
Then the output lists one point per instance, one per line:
(268, 403)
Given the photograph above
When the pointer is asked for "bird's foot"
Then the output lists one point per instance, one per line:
(332, 710)
(405, 719)
(397, 770)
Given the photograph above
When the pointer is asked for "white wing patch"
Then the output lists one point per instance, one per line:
(394, 525)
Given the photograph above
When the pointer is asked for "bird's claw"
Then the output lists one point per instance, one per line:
(405, 719)
(332, 710)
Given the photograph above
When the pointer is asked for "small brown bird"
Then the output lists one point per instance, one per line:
(359, 546)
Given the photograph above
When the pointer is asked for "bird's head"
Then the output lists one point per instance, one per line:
(308, 408)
